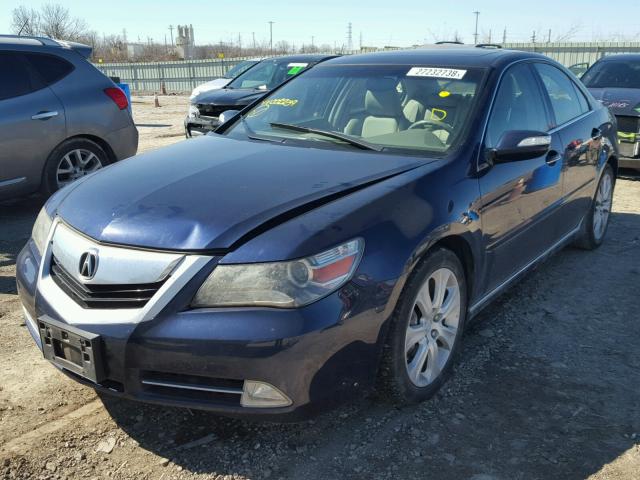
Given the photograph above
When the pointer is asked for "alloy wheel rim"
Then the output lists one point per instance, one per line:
(433, 327)
(602, 207)
(76, 164)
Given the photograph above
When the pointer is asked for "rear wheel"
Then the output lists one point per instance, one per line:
(71, 160)
(426, 329)
(597, 220)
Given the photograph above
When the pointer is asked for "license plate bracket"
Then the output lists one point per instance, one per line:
(73, 349)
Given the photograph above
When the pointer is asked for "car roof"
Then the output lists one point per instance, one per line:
(29, 41)
(439, 55)
(620, 56)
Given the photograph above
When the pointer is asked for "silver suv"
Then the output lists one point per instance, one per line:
(60, 117)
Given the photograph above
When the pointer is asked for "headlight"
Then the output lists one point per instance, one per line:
(280, 284)
(41, 229)
(193, 111)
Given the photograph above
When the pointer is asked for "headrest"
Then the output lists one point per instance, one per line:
(382, 98)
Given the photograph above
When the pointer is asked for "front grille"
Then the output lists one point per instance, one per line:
(213, 110)
(103, 296)
(628, 124)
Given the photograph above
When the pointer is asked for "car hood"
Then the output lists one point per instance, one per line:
(621, 101)
(229, 96)
(208, 86)
(213, 193)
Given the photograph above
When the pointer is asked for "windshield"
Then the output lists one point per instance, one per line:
(613, 74)
(239, 68)
(380, 106)
(267, 74)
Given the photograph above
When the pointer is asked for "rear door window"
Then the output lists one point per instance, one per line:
(566, 100)
(518, 105)
(49, 67)
(15, 78)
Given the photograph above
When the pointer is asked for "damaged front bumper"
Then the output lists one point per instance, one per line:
(200, 125)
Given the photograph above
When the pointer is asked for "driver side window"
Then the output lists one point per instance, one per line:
(518, 105)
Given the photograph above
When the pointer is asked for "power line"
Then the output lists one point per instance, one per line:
(271, 36)
(475, 35)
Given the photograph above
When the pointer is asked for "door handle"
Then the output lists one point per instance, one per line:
(596, 134)
(44, 115)
(552, 157)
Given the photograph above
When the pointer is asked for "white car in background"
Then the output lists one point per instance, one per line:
(221, 82)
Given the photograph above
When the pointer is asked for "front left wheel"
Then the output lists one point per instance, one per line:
(426, 329)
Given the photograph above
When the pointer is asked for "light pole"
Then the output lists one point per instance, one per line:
(271, 36)
(475, 35)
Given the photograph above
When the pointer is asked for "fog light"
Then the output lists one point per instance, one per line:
(262, 395)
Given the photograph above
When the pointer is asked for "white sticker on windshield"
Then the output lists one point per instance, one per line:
(434, 72)
(297, 65)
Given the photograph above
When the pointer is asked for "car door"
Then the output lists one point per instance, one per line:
(579, 129)
(519, 199)
(32, 123)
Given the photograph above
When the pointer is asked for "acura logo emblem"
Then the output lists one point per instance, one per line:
(88, 264)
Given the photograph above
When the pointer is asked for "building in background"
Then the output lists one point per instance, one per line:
(185, 43)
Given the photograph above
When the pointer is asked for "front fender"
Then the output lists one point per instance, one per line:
(400, 219)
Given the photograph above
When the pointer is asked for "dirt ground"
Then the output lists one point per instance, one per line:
(548, 386)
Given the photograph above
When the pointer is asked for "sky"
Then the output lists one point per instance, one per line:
(381, 23)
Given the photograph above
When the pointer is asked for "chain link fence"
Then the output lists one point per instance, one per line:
(184, 76)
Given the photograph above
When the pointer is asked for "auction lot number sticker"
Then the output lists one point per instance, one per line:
(434, 72)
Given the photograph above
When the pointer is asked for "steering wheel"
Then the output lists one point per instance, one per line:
(432, 123)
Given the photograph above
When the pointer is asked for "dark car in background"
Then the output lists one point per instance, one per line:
(60, 118)
(218, 83)
(243, 90)
(615, 81)
(342, 230)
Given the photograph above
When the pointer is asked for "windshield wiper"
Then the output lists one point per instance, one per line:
(339, 136)
(253, 135)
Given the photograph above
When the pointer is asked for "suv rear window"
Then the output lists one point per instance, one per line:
(14, 77)
(50, 68)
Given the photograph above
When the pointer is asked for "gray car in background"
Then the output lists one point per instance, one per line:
(60, 117)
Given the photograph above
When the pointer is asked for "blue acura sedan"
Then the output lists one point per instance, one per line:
(336, 235)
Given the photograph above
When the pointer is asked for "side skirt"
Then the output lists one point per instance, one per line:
(559, 245)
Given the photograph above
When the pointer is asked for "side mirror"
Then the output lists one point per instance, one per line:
(518, 145)
(227, 115)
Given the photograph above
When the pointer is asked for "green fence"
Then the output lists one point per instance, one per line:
(183, 76)
(177, 77)
(572, 53)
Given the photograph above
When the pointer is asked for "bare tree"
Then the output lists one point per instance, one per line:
(25, 21)
(52, 20)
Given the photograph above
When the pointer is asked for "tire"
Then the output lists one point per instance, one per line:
(70, 155)
(403, 374)
(596, 222)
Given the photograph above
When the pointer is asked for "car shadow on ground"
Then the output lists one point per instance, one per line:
(16, 221)
(543, 390)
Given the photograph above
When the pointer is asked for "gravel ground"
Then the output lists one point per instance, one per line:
(547, 386)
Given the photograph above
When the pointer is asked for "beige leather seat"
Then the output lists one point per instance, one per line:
(382, 110)
(417, 93)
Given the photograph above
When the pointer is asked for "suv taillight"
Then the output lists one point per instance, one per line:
(118, 97)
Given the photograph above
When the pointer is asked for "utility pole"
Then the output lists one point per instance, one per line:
(254, 39)
(504, 36)
(271, 36)
(475, 34)
(171, 30)
(489, 35)
(360, 39)
(533, 37)
(349, 37)
(239, 41)
(549, 37)
(313, 42)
